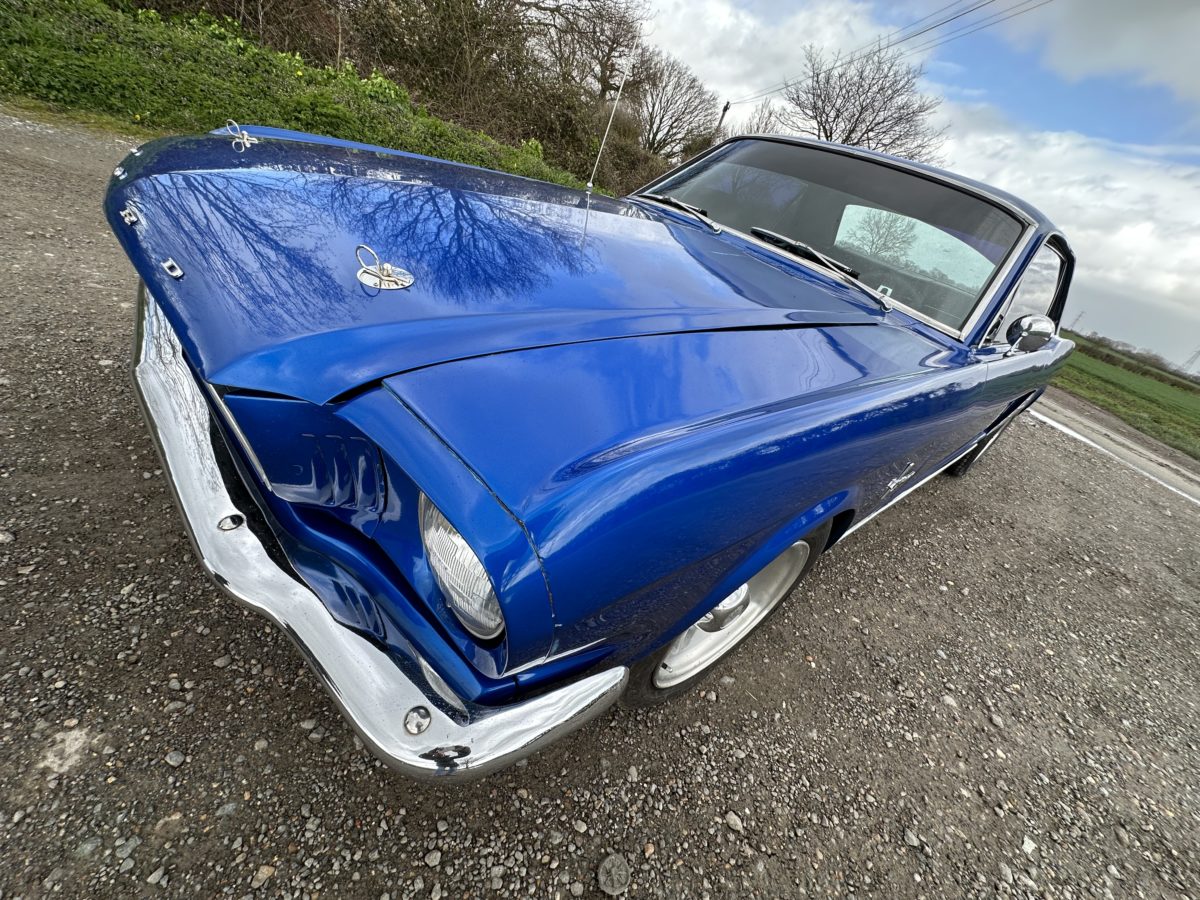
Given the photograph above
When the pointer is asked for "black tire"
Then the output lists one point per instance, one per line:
(963, 466)
(642, 690)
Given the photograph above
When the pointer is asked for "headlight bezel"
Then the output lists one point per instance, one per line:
(482, 617)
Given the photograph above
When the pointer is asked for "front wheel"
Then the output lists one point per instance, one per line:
(691, 656)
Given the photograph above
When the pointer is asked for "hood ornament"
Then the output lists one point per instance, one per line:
(241, 138)
(375, 273)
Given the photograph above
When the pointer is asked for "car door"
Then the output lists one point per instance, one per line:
(1016, 379)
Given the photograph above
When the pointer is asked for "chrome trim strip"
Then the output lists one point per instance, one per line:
(232, 424)
(982, 443)
(858, 153)
(1002, 311)
(377, 692)
(908, 490)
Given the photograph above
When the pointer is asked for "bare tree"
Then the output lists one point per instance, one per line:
(869, 99)
(676, 110)
(764, 119)
(587, 42)
(883, 235)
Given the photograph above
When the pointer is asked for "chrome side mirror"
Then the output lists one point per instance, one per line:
(1029, 333)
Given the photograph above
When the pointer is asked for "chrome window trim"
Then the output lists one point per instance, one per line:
(1007, 304)
(999, 275)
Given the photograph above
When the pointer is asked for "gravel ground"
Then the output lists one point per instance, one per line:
(989, 690)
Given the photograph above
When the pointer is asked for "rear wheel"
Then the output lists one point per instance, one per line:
(691, 656)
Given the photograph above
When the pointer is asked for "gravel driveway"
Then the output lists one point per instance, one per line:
(990, 689)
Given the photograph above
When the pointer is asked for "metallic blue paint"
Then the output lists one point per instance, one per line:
(625, 414)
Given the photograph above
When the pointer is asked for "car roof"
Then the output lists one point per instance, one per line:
(1034, 215)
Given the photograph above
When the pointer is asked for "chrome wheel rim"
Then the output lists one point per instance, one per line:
(731, 620)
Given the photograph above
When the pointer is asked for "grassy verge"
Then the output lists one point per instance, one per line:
(135, 70)
(1167, 412)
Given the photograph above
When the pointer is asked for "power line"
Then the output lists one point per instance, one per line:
(965, 30)
(852, 57)
(888, 37)
(855, 52)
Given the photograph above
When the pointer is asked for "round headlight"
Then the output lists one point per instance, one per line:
(460, 574)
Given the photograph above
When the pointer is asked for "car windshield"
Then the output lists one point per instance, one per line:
(927, 245)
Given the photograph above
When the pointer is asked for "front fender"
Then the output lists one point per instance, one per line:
(419, 461)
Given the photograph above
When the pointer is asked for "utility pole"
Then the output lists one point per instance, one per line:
(1076, 322)
(1192, 360)
(724, 110)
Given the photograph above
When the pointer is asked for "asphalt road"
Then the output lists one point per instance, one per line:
(1158, 462)
(990, 689)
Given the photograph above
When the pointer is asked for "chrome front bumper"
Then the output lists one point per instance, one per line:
(417, 729)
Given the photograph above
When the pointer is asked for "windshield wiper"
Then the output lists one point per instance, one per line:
(676, 203)
(804, 251)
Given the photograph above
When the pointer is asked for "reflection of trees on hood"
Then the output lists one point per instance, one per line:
(285, 228)
(463, 244)
(250, 238)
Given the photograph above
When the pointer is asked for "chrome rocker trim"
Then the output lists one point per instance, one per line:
(413, 726)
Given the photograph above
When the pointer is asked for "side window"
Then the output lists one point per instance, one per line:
(1035, 293)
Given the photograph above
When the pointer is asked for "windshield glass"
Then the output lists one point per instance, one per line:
(927, 245)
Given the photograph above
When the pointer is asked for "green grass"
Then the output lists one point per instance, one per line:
(135, 70)
(1135, 364)
(1164, 411)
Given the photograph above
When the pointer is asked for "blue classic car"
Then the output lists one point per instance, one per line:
(496, 453)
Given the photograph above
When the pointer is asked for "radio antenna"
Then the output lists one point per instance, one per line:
(613, 114)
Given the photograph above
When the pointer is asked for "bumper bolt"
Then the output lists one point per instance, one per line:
(417, 720)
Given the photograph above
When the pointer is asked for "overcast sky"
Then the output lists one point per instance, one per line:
(1090, 109)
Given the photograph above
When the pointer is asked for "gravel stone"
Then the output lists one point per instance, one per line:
(734, 821)
(613, 875)
(126, 847)
(175, 759)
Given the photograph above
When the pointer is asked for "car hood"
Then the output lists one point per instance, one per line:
(269, 297)
(590, 421)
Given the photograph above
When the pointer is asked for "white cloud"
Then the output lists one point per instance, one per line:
(1154, 41)
(738, 52)
(1132, 212)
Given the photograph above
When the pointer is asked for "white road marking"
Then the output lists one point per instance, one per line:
(1086, 440)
